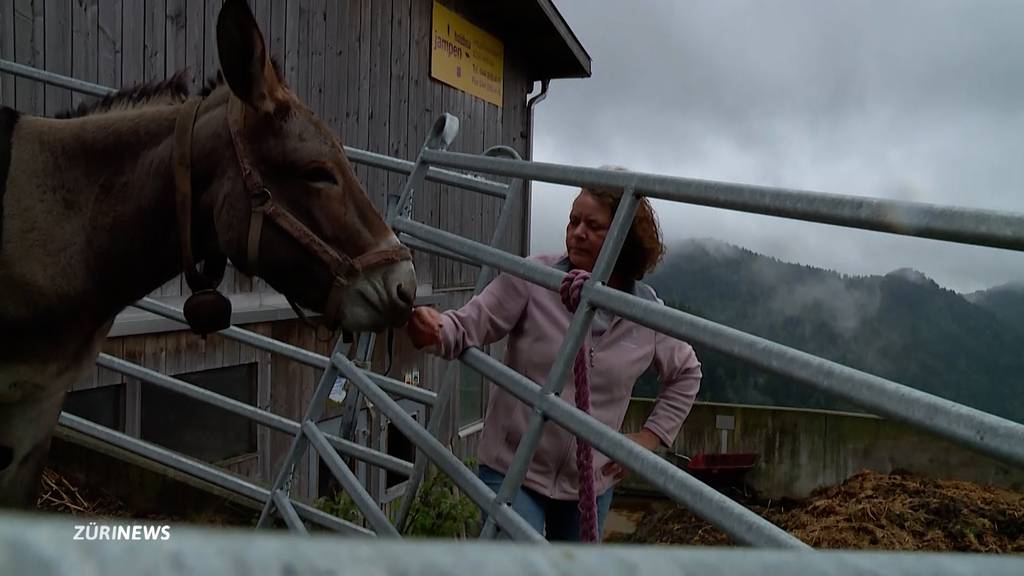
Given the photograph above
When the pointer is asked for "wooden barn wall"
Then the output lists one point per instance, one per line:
(284, 386)
(362, 65)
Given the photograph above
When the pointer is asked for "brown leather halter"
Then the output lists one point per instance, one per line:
(344, 270)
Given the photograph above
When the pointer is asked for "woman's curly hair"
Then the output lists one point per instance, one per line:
(643, 248)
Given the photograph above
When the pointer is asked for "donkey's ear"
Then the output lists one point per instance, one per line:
(244, 60)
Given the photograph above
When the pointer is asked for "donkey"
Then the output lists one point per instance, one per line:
(102, 207)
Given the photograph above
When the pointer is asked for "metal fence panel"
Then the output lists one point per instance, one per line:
(40, 545)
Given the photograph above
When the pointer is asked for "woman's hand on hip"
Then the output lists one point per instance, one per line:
(424, 327)
(645, 438)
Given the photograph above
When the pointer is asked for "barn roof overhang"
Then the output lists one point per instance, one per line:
(538, 33)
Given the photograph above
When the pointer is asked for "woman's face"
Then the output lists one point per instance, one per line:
(589, 220)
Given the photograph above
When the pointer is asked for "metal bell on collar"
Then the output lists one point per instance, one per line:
(207, 311)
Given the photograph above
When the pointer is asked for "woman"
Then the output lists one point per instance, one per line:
(536, 320)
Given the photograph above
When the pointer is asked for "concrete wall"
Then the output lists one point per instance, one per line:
(801, 450)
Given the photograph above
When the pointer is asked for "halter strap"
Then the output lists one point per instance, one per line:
(213, 264)
(344, 270)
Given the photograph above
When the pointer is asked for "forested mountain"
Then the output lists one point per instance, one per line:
(902, 326)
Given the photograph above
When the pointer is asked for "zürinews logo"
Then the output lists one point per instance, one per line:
(139, 532)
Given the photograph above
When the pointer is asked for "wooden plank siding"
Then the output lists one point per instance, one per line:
(57, 24)
(176, 353)
(108, 38)
(7, 19)
(364, 67)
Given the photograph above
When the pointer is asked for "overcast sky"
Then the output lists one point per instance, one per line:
(916, 100)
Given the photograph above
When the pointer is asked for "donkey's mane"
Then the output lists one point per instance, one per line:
(173, 90)
(169, 91)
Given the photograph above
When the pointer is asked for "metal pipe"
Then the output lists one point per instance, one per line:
(353, 399)
(363, 501)
(392, 386)
(417, 244)
(239, 334)
(473, 487)
(963, 225)
(482, 279)
(997, 437)
(744, 526)
(503, 227)
(199, 470)
(532, 102)
(291, 518)
(391, 164)
(52, 79)
(282, 481)
(279, 423)
(434, 427)
(288, 350)
(441, 136)
(483, 186)
(531, 106)
(28, 545)
(985, 433)
(529, 270)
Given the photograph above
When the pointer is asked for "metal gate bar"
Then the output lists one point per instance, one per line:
(984, 432)
(997, 229)
(269, 419)
(291, 518)
(706, 502)
(468, 482)
(200, 470)
(989, 434)
(277, 497)
(980, 431)
(363, 501)
(302, 355)
(439, 137)
(435, 426)
(299, 443)
(27, 544)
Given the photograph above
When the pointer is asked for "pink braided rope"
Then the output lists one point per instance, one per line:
(572, 285)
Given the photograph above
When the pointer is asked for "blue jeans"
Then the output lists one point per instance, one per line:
(556, 520)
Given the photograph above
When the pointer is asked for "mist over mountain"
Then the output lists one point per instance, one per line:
(902, 326)
(1005, 301)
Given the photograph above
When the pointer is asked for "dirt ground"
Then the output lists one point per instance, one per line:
(61, 495)
(869, 511)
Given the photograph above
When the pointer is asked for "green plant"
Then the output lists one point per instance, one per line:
(342, 506)
(440, 510)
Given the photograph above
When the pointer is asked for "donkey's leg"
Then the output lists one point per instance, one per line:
(25, 431)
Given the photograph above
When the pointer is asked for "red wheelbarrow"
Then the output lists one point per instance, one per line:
(720, 469)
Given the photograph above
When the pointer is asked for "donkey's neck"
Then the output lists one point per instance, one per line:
(102, 215)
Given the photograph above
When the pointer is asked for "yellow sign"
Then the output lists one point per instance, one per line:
(466, 57)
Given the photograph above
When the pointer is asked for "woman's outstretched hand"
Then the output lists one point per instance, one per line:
(424, 327)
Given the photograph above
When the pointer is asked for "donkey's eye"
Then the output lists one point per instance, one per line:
(319, 175)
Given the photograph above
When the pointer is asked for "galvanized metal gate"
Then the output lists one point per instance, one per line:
(996, 437)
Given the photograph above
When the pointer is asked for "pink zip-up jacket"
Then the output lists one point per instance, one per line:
(535, 320)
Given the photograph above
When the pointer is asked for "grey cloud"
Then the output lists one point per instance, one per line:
(920, 101)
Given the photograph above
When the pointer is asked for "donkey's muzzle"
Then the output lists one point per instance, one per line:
(380, 298)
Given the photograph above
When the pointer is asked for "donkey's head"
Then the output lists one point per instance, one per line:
(293, 211)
